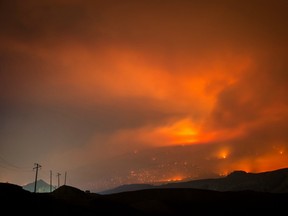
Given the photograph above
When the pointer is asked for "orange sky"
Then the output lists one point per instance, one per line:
(159, 90)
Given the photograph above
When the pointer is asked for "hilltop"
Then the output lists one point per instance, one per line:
(275, 181)
(165, 201)
(239, 192)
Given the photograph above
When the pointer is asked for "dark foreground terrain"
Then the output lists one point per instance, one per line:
(178, 201)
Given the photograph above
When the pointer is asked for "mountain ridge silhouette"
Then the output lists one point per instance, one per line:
(156, 201)
(275, 181)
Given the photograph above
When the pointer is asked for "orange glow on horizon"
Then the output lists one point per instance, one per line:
(266, 162)
(173, 179)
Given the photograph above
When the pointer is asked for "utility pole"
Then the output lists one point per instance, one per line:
(65, 178)
(58, 175)
(50, 180)
(36, 166)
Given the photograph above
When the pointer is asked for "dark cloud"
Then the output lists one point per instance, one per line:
(22, 72)
(41, 22)
(249, 100)
(178, 25)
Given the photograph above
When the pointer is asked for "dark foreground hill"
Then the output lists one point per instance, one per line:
(69, 200)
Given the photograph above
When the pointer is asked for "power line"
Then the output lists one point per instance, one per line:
(11, 166)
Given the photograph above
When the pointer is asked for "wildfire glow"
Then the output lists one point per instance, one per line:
(223, 154)
(184, 132)
(174, 179)
(224, 173)
(181, 132)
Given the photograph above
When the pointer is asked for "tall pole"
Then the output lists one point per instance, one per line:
(58, 175)
(65, 178)
(36, 166)
(50, 180)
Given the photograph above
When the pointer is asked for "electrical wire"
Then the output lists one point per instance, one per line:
(11, 166)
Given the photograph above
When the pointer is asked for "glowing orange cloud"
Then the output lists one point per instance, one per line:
(100, 76)
(117, 71)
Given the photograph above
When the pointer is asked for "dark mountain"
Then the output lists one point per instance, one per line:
(165, 201)
(42, 186)
(128, 187)
(275, 181)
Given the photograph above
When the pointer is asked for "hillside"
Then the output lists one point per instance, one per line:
(240, 192)
(177, 201)
(275, 181)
